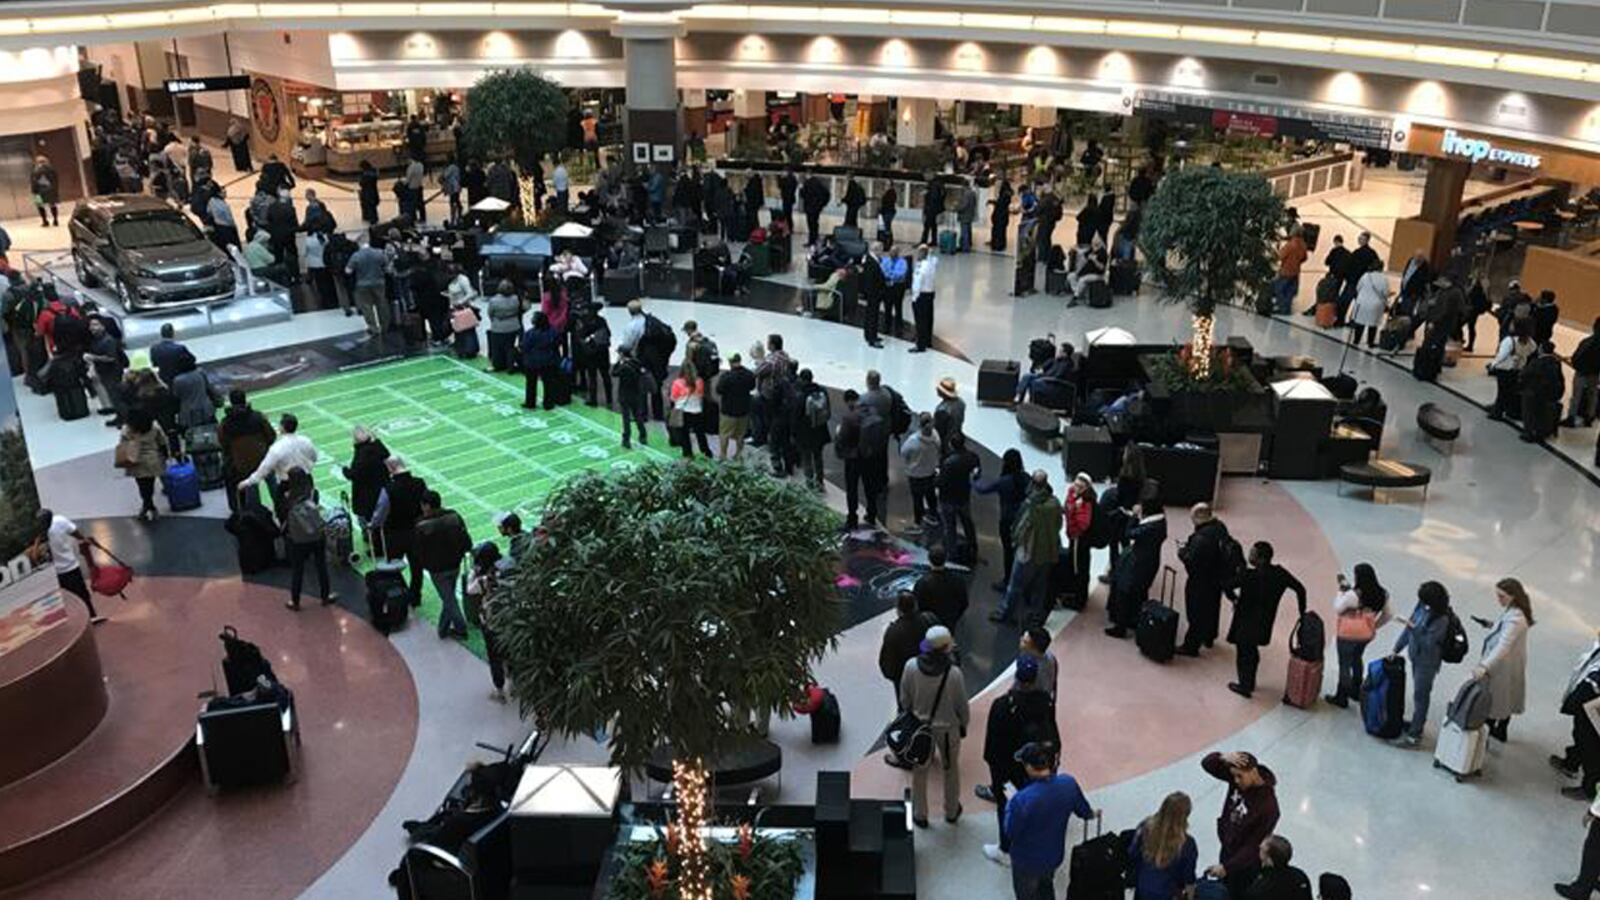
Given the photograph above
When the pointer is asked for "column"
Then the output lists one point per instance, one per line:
(749, 117)
(694, 112)
(652, 115)
(872, 115)
(914, 122)
(1433, 229)
(1042, 119)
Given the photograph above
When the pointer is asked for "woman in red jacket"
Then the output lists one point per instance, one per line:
(1078, 512)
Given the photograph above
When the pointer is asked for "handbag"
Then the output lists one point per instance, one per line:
(909, 737)
(1357, 625)
(127, 454)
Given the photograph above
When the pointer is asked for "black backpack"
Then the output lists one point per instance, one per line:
(899, 413)
(1456, 644)
(707, 361)
(242, 662)
(1233, 561)
(1308, 638)
(658, 336)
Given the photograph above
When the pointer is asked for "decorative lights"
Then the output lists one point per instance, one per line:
(692, 792)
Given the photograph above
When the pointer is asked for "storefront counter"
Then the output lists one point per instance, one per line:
(1573, 273)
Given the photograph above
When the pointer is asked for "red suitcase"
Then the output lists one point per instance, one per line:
(1304, 684)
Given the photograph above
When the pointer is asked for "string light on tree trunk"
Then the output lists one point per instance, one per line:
(1200, 350)
(694, 871)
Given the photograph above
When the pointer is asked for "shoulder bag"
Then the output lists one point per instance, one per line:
(910, 737)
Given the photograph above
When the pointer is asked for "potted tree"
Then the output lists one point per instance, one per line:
(515, 113)
(671, 604)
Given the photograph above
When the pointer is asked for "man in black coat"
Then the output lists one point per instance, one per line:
(788, 188)
(813, 198)
(902, 640)
(1541, 385)
(941, 592)
(847, 445)
(1206, 566)
(874, 293)
(1277, 880)
(1255, 610)
(282, 224)
(932, 208)
(855, 197)
(1024, 715)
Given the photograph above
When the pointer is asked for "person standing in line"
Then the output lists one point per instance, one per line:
(1359, 610)
(1035, 644)
(1422, 640)
(634, 385)
(957, 471)
(897, 271)
(1036, 823)
(245, 436)
(950, 416)
(1162, 854)
(1000, 219)
(367, 269)
(1370, 302)
(1249, 816)
(688, 407)
(1277, 879)
(1135, 570)
(966, 214)
(1579, 702)
(394, 519)
(1585, 380)
(941, 592)
(1079, 512)
(306, 534)
(1541, 386)
(847, 446)
(932, 209)
(874, 293)
(197, 399)
(541, 360)
(814, 199)
(733, 389)
(1514, 351)
(367, 192)
(1021, 717)
(855, 197)
(1037, 537)
(46, 186)
(291, 450)
(224, 228)
(1504, 661)
(925, 266)
(902, 640)
(591, 352)
(368, 474)
(479, 599)
(775, 388)
(931, 687)
(1255, 612)
(873, 453)
(505, 325)
(67, 545)
(1588, 880)
(442, 542)
(887, 206)
(142, 456)
(809, 427)
(450, 186)
(1206, 564)
(919, 456)
(1291, 256)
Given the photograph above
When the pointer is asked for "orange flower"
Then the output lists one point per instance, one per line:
(740, 886)
(747, 840)
(656, 877)
(672, 840)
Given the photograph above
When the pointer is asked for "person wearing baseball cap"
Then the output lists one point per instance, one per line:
(1036, 821)
(1021, 716)
(932, 687)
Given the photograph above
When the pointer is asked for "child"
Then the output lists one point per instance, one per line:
(464, 320)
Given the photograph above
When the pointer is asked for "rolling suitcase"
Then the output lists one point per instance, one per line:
(1157, 632)
(1125, 277)
(949, 241)
(206, 451)
(1428, 361)
(181, 484)
(1305, 662)
(257, 534)
(1460, 751)
(825, 720)
(1096, 869)
(71, 402)
(388, 597)
(1327, 314)
(1383, 697)
(1392, 336)
(1099, 291)
(1055, 282)
(339, 535)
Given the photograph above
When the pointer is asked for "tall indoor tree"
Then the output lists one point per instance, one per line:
(1209, 237)
(672, 604)
(515, 113)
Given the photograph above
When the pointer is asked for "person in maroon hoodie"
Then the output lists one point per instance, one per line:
(1249, 816)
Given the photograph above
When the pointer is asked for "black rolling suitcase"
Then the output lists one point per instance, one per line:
(558, 388)
(1055, 282)
(1099, 292)
(825, 720)
(1157, 633)
(71, 402)
(206, 452)
(1098, 865)
(1124, 277)
(1428, 361)
(252, 525)
(1060, 583)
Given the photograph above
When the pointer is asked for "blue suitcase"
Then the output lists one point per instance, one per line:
(181, 484)
(1383, 697)
(949, 241)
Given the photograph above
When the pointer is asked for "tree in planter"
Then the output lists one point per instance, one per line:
(674, 604)
(1209, 237)
(515, 113)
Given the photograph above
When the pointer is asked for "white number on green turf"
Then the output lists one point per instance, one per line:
(478, 397)
(533, 422)
(594, 451)
(504, 409)
(411, 425)
(563, 437)
(452, 385)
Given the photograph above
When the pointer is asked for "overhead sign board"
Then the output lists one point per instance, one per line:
(207, 84)
(1266, 118)
(1480, 150)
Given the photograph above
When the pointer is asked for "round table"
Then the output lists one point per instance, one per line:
(747, 761)
(1385, 474)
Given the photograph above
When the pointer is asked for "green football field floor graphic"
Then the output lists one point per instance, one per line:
(459, 428)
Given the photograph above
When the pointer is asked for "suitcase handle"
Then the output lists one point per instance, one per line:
(1099, 825)
(1169, 585)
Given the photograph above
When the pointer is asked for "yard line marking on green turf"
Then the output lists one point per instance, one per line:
(515, 454)
(588, 423)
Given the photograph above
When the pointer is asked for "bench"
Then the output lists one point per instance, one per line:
(1385, 474)
(1437, 424)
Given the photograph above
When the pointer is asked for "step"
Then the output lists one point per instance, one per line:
(899, 879)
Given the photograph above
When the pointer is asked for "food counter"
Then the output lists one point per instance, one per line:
(1573, 273)
(381, 143)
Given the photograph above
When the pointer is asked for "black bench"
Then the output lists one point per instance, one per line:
(747, 761)
(1039, 424)
(1385, 474)
(1437, 424)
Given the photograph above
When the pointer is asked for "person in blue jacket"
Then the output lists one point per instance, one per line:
(1036, 823)
(541, 359)
(1423, 641)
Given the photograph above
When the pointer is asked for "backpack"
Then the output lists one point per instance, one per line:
(818, 409)
(1308, 639)
(659, 336)
(707, 361)
(1456, 644)
(1233, 561)
(304, 523)
(899, 413)
(242, 662)
(772, 385)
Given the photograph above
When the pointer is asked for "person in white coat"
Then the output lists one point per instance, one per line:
(1366, 311)
(1504, 662)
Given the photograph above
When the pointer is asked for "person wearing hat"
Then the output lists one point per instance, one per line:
(1022, 716)
(951, 413)
(932, 688)
(1249, 816)
(1036, 822)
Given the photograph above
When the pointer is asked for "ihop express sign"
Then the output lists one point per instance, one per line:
(1479, 150)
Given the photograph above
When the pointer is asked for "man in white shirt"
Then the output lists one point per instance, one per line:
(922, 272)
(561, 182)
(291, 450)
(66, 557)
(633, 332)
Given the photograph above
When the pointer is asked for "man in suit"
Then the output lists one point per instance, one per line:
(874, 292)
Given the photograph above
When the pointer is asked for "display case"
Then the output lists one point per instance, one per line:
(376, 142)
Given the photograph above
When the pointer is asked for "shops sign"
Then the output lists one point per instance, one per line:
(177, 86)
(1479, 150)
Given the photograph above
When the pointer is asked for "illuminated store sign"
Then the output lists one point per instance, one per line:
(177, 86)
(1479, 150)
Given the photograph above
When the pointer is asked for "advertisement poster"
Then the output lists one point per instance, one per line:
(29, 604)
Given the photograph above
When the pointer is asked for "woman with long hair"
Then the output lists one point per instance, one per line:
(1423, 641)
(1163, 854)
(1360, 610)
(1118, 500)
(1079, 512)
(142, 456)
(1011, 487)
(1504, 663)
(687, 419)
